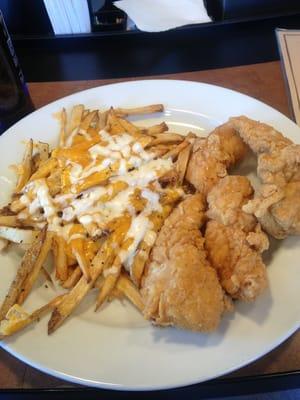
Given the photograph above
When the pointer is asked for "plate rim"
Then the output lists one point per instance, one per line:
(136, 81)
(115, 386)
(144, 388)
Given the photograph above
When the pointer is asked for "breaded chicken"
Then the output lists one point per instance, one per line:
(212, 156)
(226, 199)
(180, 287)
(234, 239)
(240, 267)
(276, 203)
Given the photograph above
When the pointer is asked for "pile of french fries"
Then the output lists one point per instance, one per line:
(89, 256)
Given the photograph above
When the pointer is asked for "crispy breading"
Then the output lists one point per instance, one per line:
(234, 240)
(240, 267)
(276, 202)
(226, 200)
(212, 156)
(180, 287)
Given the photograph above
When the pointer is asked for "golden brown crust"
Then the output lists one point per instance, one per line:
(180, 287)
(276, 202)
(240, 267)
(234, 240)
(212, 156)
(226, 200)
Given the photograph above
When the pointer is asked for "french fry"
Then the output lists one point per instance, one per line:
(145, 247)
(109, 282)
(60, 258)
(18, 235)
(164, 138)
(36, 160)
(153, 108)
(54, 182)
(76, 116)
(16, 206)
(17, 319)
(113, 124)
(87, 120)
(43, 150)
(99, 282)
(125, 285)
(103, 258)
(115, 294)
(25, 168)
(9, 220)
(182, 162)
(160, 149)
(174, 152)
(191, 136)
(97, 178)
(36, 268)
(41, 155)
(156, 129)
(45, 169)
(78, 252)
(79, 263)
(73, 278)
(129, 127)
(145, 140)
(47, 275)
(63, 123)
(78, 292)
(102, 119)
(113, 189)
(85, 113)
(6, 211)
(28, 262)
(137, 268)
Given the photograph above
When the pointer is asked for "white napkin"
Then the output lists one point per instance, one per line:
(162, 15)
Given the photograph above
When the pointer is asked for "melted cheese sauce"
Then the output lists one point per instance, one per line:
(129, 169)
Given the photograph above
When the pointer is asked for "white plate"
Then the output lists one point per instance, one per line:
(115, 348)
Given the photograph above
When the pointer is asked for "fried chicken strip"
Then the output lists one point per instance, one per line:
(212, 156)
(180, 287)
(234, 240)
(276, 204)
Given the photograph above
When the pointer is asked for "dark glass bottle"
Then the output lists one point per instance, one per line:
(15, 101)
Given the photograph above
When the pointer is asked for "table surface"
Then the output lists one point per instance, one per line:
(262, 81)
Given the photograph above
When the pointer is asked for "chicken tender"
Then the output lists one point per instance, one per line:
(225, 202)
(180, 287)
(234, 239)
(212, 156)
(240, 267)
(276, 204)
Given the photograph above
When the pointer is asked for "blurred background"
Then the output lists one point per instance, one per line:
(48, 17)
(87, 39)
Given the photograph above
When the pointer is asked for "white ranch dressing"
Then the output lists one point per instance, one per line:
(138, 228)
(69, 140)
(146, 173)
(87, 207)
(153, 200)
(42, 199)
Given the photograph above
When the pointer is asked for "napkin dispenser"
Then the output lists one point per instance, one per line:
(234, 9)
